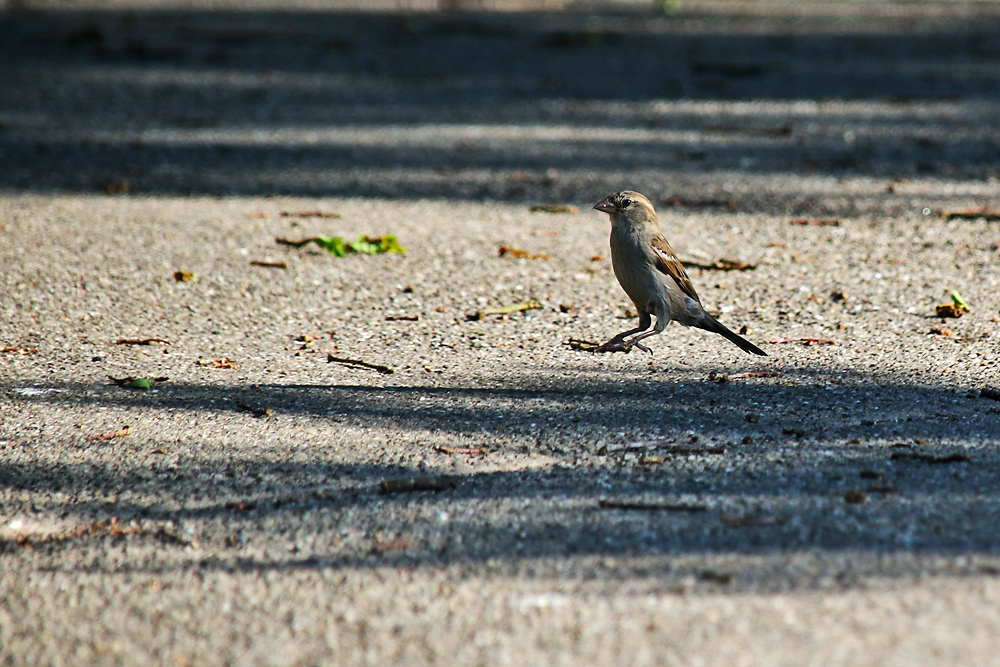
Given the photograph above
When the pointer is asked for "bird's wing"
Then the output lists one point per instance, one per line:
(668, 264)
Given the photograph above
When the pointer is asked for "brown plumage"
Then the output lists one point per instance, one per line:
(651, 275)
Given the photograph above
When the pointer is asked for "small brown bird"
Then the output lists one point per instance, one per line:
(652, 276)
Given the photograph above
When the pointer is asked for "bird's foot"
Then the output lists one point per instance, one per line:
(625, 346)
(613, 346)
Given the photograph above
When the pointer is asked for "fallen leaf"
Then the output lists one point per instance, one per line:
(117, 187)
(121, 433)
(854, 497)
(19, 350)
(942, 332)
(582, 345)
(183, 276)
(950, 310)
(131, 382)
(225, 362)
(336, 245)
(136, 383)
(517, 253)
(554, 208)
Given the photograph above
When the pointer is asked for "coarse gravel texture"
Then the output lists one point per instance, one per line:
(832, 503)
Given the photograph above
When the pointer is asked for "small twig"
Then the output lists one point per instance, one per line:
(473, 451)
(804, 340)
(666, 449)
(930, 458)
(607, 503)
(402, 318)
(256, 412)
(295, 244)
(309, 214)
(530, 304)
(413, 484)
(141, 341)
(984, 212)
(816, 222)
(755, 374)
(385, 370)
(106, 528)
(383, 544)
(269, 265)
(745, 520)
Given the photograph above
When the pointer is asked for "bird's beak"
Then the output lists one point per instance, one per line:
(605, 206)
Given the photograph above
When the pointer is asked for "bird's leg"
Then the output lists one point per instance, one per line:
(619, 343)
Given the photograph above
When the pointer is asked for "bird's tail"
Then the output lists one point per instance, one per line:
(715, 326)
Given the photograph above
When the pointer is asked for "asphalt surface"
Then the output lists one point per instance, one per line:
(499, 497)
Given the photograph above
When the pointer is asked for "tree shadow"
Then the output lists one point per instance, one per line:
(495, 106)
(667, 478)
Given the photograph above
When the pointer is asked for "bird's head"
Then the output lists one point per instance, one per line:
(627, 207)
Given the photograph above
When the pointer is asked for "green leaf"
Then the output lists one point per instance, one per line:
(390, 244)
(957, 299)
(365, 245)
(332, 244)
(137, 383)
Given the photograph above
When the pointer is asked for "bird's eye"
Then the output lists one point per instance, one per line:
(626, 202)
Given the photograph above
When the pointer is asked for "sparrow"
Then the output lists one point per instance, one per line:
(653, 278)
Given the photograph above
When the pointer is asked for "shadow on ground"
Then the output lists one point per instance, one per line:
(483, 106)
(831, 466)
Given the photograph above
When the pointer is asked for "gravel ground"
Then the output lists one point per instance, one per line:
(831, 503)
